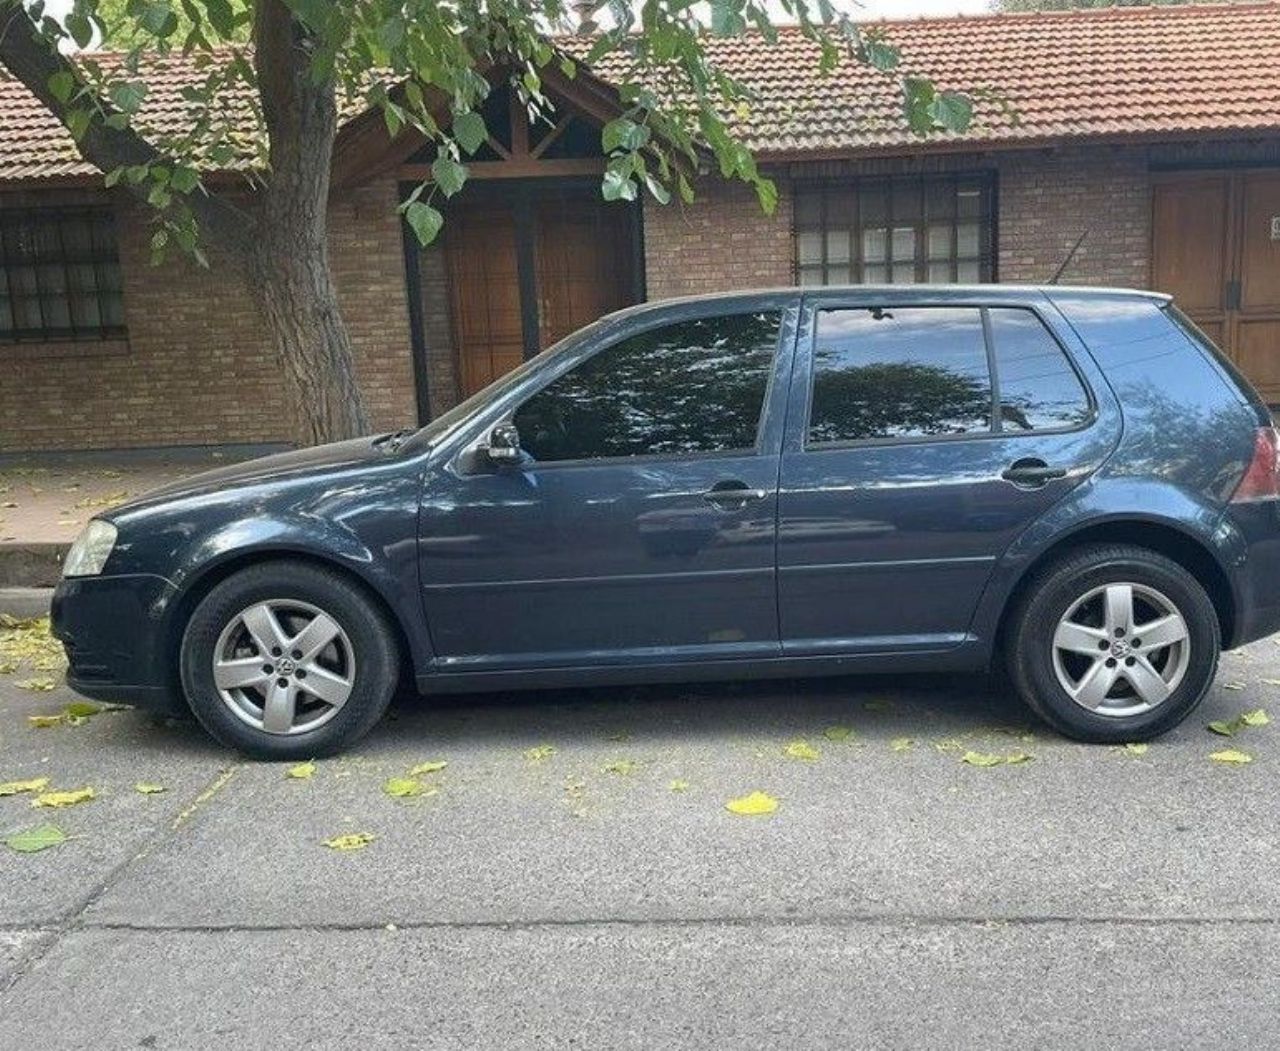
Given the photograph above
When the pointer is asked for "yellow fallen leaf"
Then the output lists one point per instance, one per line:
(539, 753)
(12, 788)
(407, 788)
(434, 766)
(679, 785)
(1257, 717)
(1014, 758)
(1136, 748)
(801, 750)
(621, 767)
(901, 744)
(350, 841)
(981, 759)
(43, 722)
(837, 733)
(752, 805)
(37, 685)
(302, 771)
(1231, 755)
(63, 799)
(148, 788)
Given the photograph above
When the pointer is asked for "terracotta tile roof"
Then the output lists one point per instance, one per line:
(1112, 73)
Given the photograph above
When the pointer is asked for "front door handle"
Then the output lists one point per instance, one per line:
(732, 495)
(1031, 473)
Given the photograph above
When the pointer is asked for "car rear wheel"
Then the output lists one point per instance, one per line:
(1113, 643)
(286, 660)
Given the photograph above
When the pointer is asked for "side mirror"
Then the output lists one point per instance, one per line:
(503, 448)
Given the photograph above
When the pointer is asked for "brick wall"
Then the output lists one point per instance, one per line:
(196, 368)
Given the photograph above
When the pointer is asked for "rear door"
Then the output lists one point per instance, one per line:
(924, 434)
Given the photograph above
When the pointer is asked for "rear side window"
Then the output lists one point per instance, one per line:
(905, 372)
(692, 387)
(1039, 390)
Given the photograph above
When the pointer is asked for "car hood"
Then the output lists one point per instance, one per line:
(274, 468)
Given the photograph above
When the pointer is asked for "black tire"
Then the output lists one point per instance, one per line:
(371, 640)
(1055, 589)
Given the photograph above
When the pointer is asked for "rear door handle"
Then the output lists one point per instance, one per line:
(732, 495)
(1031, 472)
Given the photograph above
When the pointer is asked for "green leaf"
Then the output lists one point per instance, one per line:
(424, 220)
(406, 788)
(78, 122)
(33, 840)
(127, 95)
(617, 186)
(148, 788)
(981, 759)
(801, 750)
(659, 192)
(767, 194)
(1255, 718)
(12, 788)
(837, 733)
(302, 771)
(80, 28)
(726, 18)
(1223, 728)
(448, 174)
(1231, 755)
(880, 55)
(64, 799)
(432, 767)
(221, 16)
(623, 134)
(952, 111)
(1137, 748)
(469, 131)
(158, 19)
(184, 180)
(61, 85)
(917, 98)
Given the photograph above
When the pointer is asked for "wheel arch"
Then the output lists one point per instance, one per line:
(198, 585)
(1184, 548)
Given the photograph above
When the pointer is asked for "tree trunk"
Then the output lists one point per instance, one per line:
(288, 262)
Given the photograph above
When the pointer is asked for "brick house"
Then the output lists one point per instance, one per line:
(1143, 149)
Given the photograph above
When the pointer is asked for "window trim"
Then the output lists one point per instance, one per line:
(994, 430)
(781, 351)
(86, 340)
(989, 253)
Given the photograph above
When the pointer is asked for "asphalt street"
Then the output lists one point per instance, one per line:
(572, 877)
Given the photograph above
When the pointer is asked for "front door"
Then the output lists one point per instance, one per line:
(528, 265)
(1216, 247)
(640, 526)
(907, 471)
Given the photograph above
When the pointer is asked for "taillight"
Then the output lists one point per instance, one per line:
(1261, 480)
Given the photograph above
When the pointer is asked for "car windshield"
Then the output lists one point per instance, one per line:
(446, 423)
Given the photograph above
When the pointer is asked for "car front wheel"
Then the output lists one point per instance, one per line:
(286, 660)
(1114, 643)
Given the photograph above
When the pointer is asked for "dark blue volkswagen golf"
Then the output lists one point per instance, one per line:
(1072, 482)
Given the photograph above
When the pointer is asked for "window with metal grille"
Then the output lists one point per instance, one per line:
(59, 275)
(934, 229)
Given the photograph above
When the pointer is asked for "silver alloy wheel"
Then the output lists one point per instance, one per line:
(283, 666)
(1121, 650)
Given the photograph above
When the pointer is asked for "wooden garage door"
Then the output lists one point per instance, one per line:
(1216, 247)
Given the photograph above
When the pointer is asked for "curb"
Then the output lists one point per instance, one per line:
(31, 565)
(24, 603)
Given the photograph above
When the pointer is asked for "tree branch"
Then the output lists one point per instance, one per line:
(33, 60)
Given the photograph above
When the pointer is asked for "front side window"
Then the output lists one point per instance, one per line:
(936, 229)
(692, 387)
(59, 275)
(1039, 390)
(899, 373)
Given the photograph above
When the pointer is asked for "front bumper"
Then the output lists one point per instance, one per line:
(115, 630)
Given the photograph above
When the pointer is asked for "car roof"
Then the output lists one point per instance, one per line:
(1005, 292)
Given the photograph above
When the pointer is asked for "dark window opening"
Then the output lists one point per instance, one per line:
(59, 275)
(693, 387)
(936, 229)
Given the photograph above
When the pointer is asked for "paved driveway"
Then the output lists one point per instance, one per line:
(555, 890)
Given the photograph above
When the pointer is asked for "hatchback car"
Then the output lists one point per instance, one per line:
(1069, 481)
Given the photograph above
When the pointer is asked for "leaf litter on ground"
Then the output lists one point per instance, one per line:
(1231, 755)
(13, 788)
(350, 841)
(66, 798)
(35, 839)
(754, 805)
(801, 749)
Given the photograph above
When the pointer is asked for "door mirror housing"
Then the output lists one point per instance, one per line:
(503, 448)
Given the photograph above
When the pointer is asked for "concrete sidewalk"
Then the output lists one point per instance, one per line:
(572, 878)
(46, 499)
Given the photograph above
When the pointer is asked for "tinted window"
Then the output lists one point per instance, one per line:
(899, 373)
(1039, 390)
(697, 386)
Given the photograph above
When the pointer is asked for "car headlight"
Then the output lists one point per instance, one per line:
(91, 549)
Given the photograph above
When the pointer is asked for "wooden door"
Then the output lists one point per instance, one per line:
(529, 265)
(584, 259)
(1216, 248)
(484, 293)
